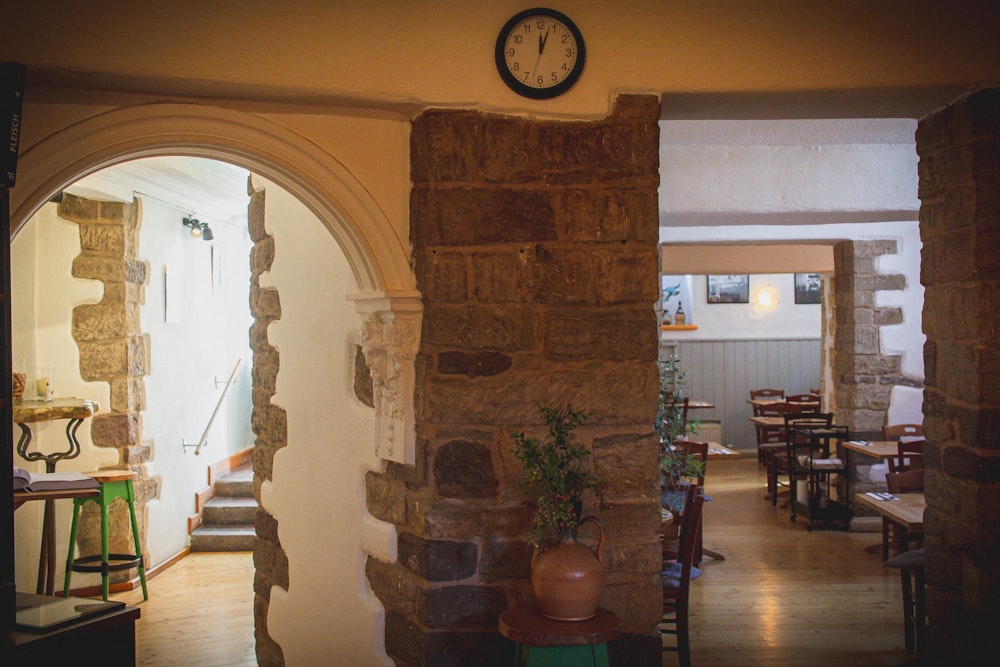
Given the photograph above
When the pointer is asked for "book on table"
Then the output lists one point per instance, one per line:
(51, 481)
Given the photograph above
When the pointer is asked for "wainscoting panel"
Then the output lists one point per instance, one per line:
(724, 371)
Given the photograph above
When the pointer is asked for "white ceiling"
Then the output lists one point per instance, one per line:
(210, 190)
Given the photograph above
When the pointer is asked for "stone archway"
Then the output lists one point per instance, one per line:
(377, 258)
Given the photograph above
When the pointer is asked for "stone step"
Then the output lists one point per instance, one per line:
(229, 510)
(223, 538)
(237, 483)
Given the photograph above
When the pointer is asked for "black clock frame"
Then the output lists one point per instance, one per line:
(528, 91)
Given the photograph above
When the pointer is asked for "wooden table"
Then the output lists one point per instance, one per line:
(31, 412)
(700, 405)
(717, 451)
(908, 511)
(877, 449)
(768, 421)
(542, 641)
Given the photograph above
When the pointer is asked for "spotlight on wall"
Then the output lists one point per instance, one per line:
(198, 229)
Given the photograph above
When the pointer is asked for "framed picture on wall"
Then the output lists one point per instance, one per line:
(807, 288)
(729, 289)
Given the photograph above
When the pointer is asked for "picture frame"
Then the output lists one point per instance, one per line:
(808, 288)
(729, 289)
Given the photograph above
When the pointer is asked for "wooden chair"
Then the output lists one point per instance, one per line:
(770, 438)
(697, 449)
(803, 402)
(765, 394)
(676, 585)
(910, 563)
(779, 460)
(910, 481)
(897, 431)
(909, 456)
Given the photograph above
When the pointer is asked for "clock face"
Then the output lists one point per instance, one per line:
(540, 53)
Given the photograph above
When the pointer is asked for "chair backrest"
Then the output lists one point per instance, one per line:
(909, 481)
(795, 420)
(896, 431)
(690, 527)
(803, 402)
(909, 456)
(766, 393)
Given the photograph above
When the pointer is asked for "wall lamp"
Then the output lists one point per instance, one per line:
(198, 229)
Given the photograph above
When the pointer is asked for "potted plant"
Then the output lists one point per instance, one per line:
(677, 467)
(568, 578)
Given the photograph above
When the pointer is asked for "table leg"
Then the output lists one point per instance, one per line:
(47, 553)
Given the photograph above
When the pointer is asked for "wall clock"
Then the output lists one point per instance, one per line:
(540, 53)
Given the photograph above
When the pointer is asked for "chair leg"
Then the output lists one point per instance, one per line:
(683, 638)
(105, 550)
(919, 613)
(908, 611)
(72, 544)
(135, 538)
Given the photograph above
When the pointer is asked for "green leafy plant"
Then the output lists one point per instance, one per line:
(675, 465)
(556, 477)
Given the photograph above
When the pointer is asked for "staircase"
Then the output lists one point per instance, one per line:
(227, 519)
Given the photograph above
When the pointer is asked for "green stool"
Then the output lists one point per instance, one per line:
(543, 642)
(113, 484)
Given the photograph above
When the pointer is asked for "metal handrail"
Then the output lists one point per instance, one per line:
(204, 436)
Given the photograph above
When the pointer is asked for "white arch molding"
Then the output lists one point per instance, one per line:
(388, 299)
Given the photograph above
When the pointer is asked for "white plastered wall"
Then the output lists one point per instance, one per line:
(329, 614)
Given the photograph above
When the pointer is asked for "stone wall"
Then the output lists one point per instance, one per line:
(270, 425)
(113, 349)
(863, 376)
(535, 249)
(959, 151)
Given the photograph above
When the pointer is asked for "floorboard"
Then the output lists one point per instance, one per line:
(783, 597)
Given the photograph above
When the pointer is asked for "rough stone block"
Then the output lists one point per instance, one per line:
(464, 469)
(115, 430)
(638, 604)
(446, 146)
(255, 215)
(887, 316)
(79, 209)
(106, 269)
(506, 160)
(443, 276)
(100, 321)
(262, 255)
(463, 607)
(270, 424)
(501, 277)
(473, 364)
(628, 392)
(446, 520)
(385, 498)
(480, 216)
(630, 462)
(480, 327)
(438, 560)
(619, 334)
(265, 303)
(107, 240)
(504, 559)
(590, 215)
(396, 586)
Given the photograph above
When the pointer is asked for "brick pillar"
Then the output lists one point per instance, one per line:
(863, 376)
(270, 426)
(535, 249)
(959, 151)
(113, 349)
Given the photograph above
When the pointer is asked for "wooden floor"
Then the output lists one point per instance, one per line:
(199, 613)
(782, 597)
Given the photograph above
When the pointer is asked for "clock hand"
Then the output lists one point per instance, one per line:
(541, 42)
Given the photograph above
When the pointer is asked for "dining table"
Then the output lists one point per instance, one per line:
(905, 509)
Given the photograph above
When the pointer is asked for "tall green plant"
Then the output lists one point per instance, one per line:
(556, 476)
(670, 424)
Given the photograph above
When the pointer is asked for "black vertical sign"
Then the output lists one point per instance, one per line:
(11, 101)
(11, 98)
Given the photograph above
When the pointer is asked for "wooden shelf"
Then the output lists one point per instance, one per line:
(679, 327)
